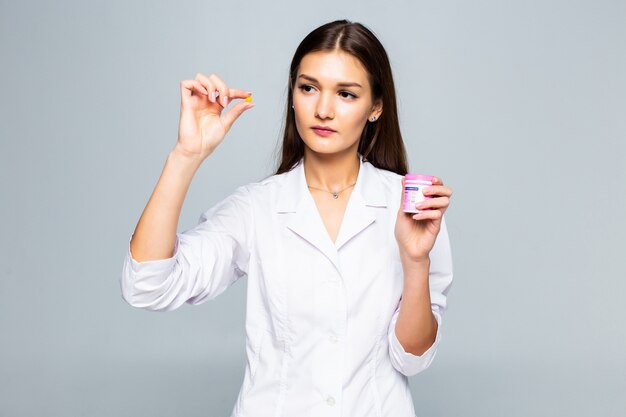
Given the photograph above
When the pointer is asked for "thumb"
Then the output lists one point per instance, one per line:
(229, 118)
(402, 195)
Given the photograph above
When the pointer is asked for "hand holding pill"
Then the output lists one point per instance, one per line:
(203, 125)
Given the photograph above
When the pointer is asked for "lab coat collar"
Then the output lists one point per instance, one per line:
(296, 201)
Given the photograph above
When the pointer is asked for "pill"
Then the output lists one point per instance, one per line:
(249, 99)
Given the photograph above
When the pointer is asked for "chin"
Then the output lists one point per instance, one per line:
(322, 145)
(331, 149)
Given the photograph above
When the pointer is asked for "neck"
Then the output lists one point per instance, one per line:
(331, 172)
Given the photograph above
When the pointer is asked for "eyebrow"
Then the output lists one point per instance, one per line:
(344, 84)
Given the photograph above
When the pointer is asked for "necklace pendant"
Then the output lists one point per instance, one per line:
(335, 196)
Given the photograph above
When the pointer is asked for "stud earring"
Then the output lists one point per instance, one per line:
(373, 118)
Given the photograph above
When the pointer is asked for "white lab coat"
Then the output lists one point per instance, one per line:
(320, 317)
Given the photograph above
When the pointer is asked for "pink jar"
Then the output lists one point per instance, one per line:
(413, 185)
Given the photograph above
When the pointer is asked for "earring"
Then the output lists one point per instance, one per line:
(292, 106)
(373, 118)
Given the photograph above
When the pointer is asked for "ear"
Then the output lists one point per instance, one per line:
(377, 110)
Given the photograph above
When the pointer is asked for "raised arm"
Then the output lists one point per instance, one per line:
(163, 269)
(202, 128)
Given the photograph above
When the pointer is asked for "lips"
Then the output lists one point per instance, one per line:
(323, 132)
(326, 128)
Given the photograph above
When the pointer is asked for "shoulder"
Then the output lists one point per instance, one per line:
(386, 176)
(268, 183)
(265, 189)
(390, 181)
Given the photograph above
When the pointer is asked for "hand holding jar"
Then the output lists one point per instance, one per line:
(417, 227)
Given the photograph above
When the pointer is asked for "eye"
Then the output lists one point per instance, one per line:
(304, 87)
(349, 94)
(344, 94)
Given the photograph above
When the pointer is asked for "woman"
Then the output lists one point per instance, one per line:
(345, 290)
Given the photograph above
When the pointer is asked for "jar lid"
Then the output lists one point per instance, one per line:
(419, 177)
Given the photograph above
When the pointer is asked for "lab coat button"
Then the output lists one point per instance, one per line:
(333, 338)
(330, 401)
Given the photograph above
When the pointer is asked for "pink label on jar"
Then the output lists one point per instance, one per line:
(413, 195)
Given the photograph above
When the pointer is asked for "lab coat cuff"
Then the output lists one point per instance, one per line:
(152, 267)
(408, 363)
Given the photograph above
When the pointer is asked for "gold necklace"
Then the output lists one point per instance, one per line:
(334, 193)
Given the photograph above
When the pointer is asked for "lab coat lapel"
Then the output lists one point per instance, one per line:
(361, 209)
(308, 223)
(358, 214)
(304, 219)
(356, 218)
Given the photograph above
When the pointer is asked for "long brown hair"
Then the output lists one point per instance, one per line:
(381, 141)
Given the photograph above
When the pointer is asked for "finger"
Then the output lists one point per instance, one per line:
(434, 203)
(227, 93)
(428, 215)
(229, 118)
(186, 88)
(232, 94)
(208, 85)
(437, 181)
(437, 190)
(220, 85)
(237, 93)
(190, 87)
(193, 86)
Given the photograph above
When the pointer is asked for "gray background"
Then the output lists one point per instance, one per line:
(518, 106)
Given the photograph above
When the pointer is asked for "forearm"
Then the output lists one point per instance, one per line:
(416, 327)
(155, 234)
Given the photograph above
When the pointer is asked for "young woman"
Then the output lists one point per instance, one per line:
(345, 290)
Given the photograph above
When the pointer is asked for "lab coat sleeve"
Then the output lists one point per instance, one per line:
(207, 259)
(440, 280)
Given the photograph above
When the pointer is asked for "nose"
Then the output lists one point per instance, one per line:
(324, 108)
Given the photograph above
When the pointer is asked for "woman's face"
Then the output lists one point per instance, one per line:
(332, 90)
